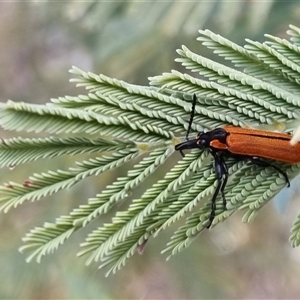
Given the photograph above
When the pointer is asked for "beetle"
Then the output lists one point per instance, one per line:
(240, 143)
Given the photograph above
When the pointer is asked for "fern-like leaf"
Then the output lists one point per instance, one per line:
(260, 88)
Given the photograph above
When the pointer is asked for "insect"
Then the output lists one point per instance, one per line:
(241, 143)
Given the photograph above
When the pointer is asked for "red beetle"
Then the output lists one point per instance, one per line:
(242, 143)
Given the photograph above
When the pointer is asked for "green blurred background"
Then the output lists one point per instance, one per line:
(132, 40)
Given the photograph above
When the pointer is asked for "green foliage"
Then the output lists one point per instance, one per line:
(141, 124)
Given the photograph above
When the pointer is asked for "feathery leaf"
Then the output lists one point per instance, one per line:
(260, 88)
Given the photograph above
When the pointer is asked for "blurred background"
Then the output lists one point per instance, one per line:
(132, 40)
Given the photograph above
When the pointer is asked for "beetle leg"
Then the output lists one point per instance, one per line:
(222, 177)
(267, 164)
(225, 178)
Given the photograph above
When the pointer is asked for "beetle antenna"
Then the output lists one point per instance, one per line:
(191, 116)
